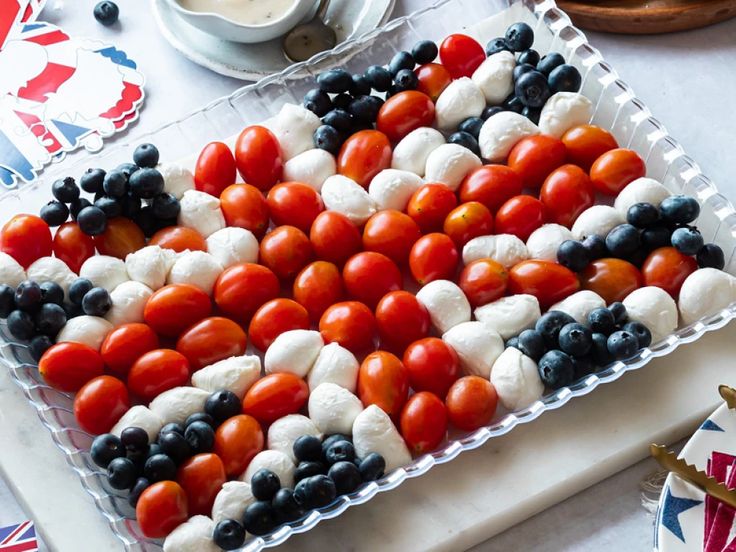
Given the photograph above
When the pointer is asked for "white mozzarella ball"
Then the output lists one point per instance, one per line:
(232, 501)
(641, 190)
(128, 301)
(275, 461)
(294, 128)
(477, 346)
(51, 269)
(511, 315)
(311, 167)
(597, 220)
(449, 164)
(233, 245)
(705, 291)
(544, 242)
(11, 272)
(104, 271)
(392, 189)
(235, 374)
(202, 212)
(341, 194)
(579, 305)
(446, 304)
(373, 431)
(150, 265)
(563, 111)
(197, 268)
(177, 179)
(653, 307)
(333, 409)
(334, 364)
(284, 431)
(461, 99)
(139, 416)
(293, 352)
(516, 379)
(495, 77)
(501, 132)
(89, 330)
(177, 404)
(194, 535)
(411, 153)
(505, 249)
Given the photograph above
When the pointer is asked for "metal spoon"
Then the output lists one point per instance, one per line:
(310, 38)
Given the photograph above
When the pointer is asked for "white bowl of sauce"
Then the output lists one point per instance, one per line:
(243, 20)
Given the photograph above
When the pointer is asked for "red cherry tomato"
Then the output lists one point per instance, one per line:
(210, 340)
(237, 441)
(121, 237)
(423, 422)
(615, 169)
(391, 233)
(404, 112)
(461, 55)
(521, 215)
(286, 250)
(275, 396)
(258, 157)
(566, 193)
(383, 381)
(433, 257)
(471, 403)
(243, 288)
(667, 268)
(73, 246)
(294, 203)
(401, 320)
(161, 508)
(483, 281)
(334, 238)
(433, 79)
(68, 366)
(491, 185)
(27, 238)
(351, 324)
(364, 155)
(244, 206)
(173, 308)
(215, 169)
(201, 476)
(586, 143)
(547, 281)
(100, 403)
(468, 221)
(126, 344)
(612, 279)
(179, 238)
(368, 276)
(432, 365)
(318, 286)
(430, 205)
(274, 318)
(534, 157)
(158, 371)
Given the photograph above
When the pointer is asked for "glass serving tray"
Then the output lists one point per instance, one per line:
(616, 108)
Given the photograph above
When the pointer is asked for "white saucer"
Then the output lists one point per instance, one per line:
(349, 18)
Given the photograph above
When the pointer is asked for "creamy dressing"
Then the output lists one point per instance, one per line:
(247, 12)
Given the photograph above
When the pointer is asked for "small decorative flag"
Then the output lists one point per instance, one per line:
(18, 538)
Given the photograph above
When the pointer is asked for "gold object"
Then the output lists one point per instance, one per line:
(728, 394)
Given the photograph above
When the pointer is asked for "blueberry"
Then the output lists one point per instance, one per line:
(687, 240)
(711, 256)
(342, 101)
(106, 12)
(530, 57)
(130, 206)
(339, 119)
(372, 467)
(490, 111)
(200, 417)
(531, 343)
(121, 473)
(229, 534)
(595, 246)
(134, 437)
(335, 81)
(171, 427)
(346, 477)
(286, 506)
(583, 366)
(146, 155)
(656, 237)
(28, 296)
(260, 518)
(512, 342)
(317, 101)
(147, 221)
(222, 405)
(200, 436)
(154, 449)
(332, 439)
(550, 324)
(496, 45)
(146, 183)
(92, 179)
(573, 255)
(679, 209)
(65, 190)
(520, 37)
(308, 469)
(550, 62)
(140, 485)
(340, 450)
(159, 467)
(39, 345)
(105, 448)
(466, 140)
(556, 369)
(166, 206)
(20, 325)
(623, 240)
(175, 446)
(92, 221)
(7, 300)
(640, 331)
(328, 138)
(619, 312)
(54, 213)
(642, 215)
(472, 126)
(96, 302)
(532, 89)
(401, 60)
(599, 350)
(378, 77)
(565, 78)
(575, 339)
(110, 206)
(315, 492)
(601, 320)
(405, 79)
(78, 289)
(308, 448)
(522, 68)
(114, 184)
(50, 319)
(365, 108)
(532, 113)
(623, 345)
(77, 206)
(424, 51)
(264, 484)
(513, 103)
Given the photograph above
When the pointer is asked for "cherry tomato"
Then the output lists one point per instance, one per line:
(613, 170)
(468, 221)
(433, 79)
(534, 157)
(158, 371)
(275, 396)
(258, 157)
(612, 279)
(274, 318)
(521, 215)
(215, 169)
(471, 402)
(401, 320)
(549, 282)
(173, 308)
(432, 365)
(667, 268)
(430, 205)
(161, 508)
(27, 238)
(100, 403)
(433, 257)
(73, 246)
(334, 238)
(244, 206)
(286, 250)
(491, 185)
(237, 441)
(179, 238)
(383, 381)
(391, 233)
(566, 193)
(586, 143)
(121, 237)
(483, 281)
(126, 344)
(349, 323)
(423, 422)
(68, 366)
(404, 112)
(461, 55)
(294, 203)
(368, 276)
(201, 476)
(243, 288)
(364, 155)
(318, 286)
(210, 340)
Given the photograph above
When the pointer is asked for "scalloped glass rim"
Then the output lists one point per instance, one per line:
(616, 107)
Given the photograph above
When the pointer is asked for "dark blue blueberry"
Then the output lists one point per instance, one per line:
(106, 12)
(308, 469)
(200, 436)
(342, 101)
(339, 119)
(315, 492)
(49, 319)
(584, 366)
(512, 342)
(114, 184)
(317, 101)
(92, 221)
(328, 138)
(222, 405)
(549, 62)
(39, 345)
(340, 450)
(147, 221)
(532, 113)
(134, 437)
(687, 240)
(602, 321)
(264, 484)
(401, 60)
(72, 310)
(130, 206)
(365, 108)
(28, 296)
(286, 506)
(490, 111)
(200, 417)
(159, 467)
(642, 215)
(55, 213)
(92, 179)
(260, 518)
(7, 300)
(335, 81)
(595, 246)
(619, 312)
(575, 339)
(532, 89)
(466, 140)
(623, 240)
(175, 446)
(140, 485)
(78, 289)
(146, 155)
(599, 351)
(565, 78)
(121, 473)
(65, 190)
(110, 206)
(308, 448)
(623, 345)
(171, 427)
(96, 302)
(640, 331)
(360, 86)
(496, 45)
(77, 206)
(520, 37)
(332, 439)
(105, 448)
(405, 79)
(656, 237)
(346, 477)
(378, 77)
(531, 343)
(573, 255)
(372, 467)
(229, 534)
(513, 103)
(556, 369)
(424, 51)
(679, 209)
(530, 57)
(472, 126)
(521, 69)
(166, 206)
(146, 183)
(550, 324)
(127, 169)
(711, 256)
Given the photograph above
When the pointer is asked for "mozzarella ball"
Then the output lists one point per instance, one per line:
(105, 272)
(461, 99)
(449, 164)
(235, 374)
(275, 461)
(333, 409)
(197, 268)
(51, 269)
(704, 292)
(511, 315)
(177, 404)
(505, 249)
(202, 212)
(194, 535)
(495, 77)
(89, 330)
(311, 167)
(641, 190)
(341, 194)
(233, 245)
(177, 179)
(516, 379)
(128, 301)
(139, 416)
(653, 307)
(373, 431)
(411, 153)
(579, 305)
(544, 242)
(392, 189)
(501, 132)
(334, 364)
(446, 304)
(11, 272)
(477, 346)
(294, 128)
(232, 501)
(563, 111)
(293, 352)
(597, 220)
(150, 265)
(284, 431)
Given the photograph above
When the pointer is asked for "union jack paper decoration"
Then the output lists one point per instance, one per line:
(18, 538)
